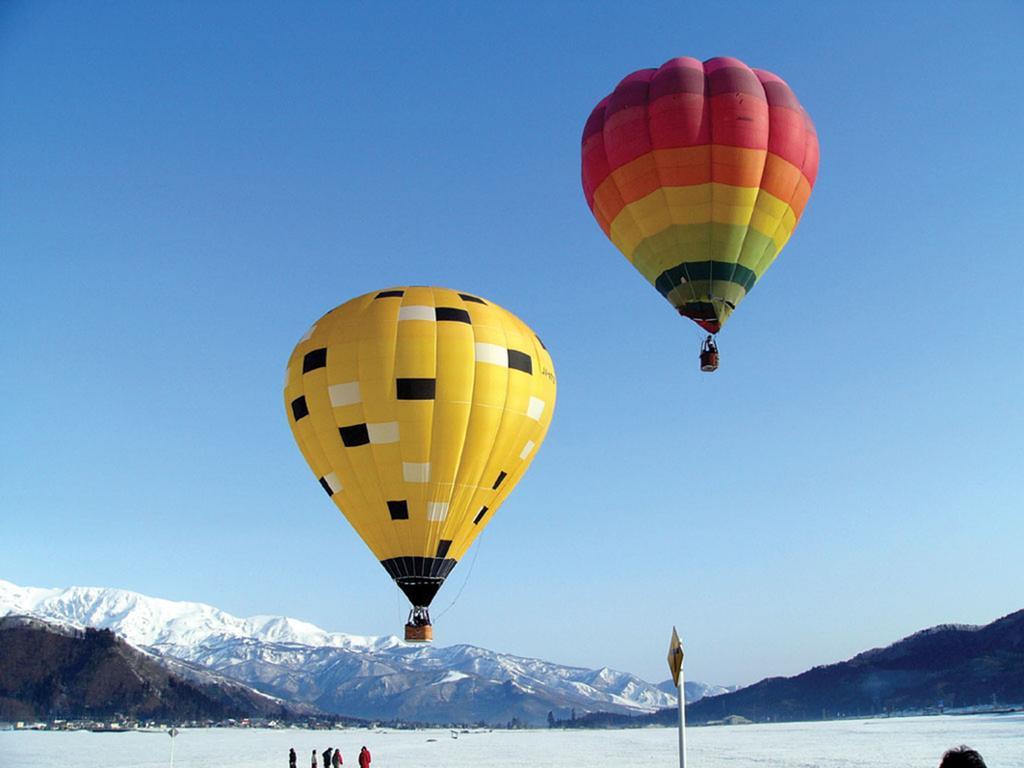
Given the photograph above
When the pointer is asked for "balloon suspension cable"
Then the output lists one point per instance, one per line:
(400, 603)
(472, 563)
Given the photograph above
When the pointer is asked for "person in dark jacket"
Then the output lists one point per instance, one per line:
(364, 758)
(327, 757)
(291, 758)
(962, 757)
(336, 759)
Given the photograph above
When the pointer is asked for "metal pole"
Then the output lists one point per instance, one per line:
(682, 719)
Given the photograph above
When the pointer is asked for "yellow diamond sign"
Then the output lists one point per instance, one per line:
(675, 657)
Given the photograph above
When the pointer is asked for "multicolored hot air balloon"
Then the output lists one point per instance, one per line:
(698, 173)
(418, 410)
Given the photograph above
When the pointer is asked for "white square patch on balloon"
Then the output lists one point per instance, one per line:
(437, 510)
(385, 432)
(416, 473)
(344, 394)
(332, 480)
(535, 409)
(417, 312)
(492, 354)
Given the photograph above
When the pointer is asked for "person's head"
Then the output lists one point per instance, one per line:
(962, 757)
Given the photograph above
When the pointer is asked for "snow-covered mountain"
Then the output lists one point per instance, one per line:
(152, 621)
(697, 691)
(52, 670)
(373, 677)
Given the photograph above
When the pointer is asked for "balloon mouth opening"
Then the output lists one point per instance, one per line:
(703, 314)
(420, 591)
(711, 326)
(419, 577)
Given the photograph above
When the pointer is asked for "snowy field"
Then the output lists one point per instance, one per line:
(898, 743)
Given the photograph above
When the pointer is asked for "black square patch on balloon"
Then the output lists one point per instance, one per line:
(389, 295)
(520, 361)
(326, 486)
(355, 435)
(416, 389)
(498, 482)
(474, 299)
(314, 359)
(399, 509)
(299, 407)
(442, 548)
(479, 515)
(452, 314)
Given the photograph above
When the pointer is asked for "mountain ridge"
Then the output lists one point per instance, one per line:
(349, 675)
(948, 666)
(56, 671)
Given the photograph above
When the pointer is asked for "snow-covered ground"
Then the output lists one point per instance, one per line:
(897, 743)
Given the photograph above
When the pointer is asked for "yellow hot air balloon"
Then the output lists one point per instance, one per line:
(418, 409)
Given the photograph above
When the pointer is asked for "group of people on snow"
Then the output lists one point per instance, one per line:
(331, 758)
(959, 757)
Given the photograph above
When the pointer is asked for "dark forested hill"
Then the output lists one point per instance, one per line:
(49, 672)
(946, 666)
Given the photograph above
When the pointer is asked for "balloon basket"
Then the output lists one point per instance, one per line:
(422, 633)
(709, 355)
(418, 628)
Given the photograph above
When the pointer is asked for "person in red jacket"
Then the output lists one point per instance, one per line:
(364, 758)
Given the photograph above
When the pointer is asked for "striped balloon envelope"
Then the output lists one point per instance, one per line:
(418, 410)
(698, 173)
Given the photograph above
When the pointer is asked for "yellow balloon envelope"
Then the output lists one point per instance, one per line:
(418, 410)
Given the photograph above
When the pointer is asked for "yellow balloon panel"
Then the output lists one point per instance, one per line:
(418, 409)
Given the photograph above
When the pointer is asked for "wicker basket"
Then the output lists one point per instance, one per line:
(422, 633)
(709, 361)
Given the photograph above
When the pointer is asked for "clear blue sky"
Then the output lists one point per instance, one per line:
(187, 186)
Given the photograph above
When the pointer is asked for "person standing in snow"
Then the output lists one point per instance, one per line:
(313, 764)
(327, 757)
(336, 761)
(291, 758)
(364, 758)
